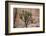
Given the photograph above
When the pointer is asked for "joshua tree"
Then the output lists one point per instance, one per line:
(26, 15)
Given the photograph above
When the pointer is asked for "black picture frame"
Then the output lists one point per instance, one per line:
(6, 18)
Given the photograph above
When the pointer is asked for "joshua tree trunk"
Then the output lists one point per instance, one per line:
(26, 23)
(26, 20)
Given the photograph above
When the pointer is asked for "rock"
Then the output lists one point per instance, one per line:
(20, 24)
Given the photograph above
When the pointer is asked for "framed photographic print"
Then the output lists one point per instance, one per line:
(24, 17)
